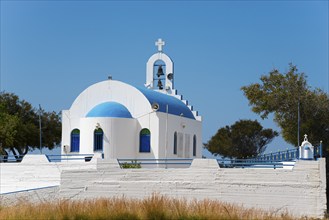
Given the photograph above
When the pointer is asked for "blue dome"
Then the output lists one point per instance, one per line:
(175, 106)
(109, 109)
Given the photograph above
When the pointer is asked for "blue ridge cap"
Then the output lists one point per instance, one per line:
(175, 106)
(109, 109)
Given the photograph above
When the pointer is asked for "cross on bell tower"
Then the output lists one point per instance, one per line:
(160, 44)
(305, 137)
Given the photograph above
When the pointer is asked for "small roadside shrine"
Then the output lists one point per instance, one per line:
(306, 150)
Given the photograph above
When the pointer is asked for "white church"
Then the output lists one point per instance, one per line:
(123, 121)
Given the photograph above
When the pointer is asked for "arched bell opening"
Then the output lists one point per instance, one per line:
(159, 74)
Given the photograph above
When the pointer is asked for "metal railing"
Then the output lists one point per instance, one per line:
(151, 161)
(248, 163)
(69, 157)
(266, 160)
(11, 158)
(287, 155)
(50, 157)
(178, 162)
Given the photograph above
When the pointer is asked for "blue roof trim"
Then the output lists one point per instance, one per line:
(175, 106)
(109, 109)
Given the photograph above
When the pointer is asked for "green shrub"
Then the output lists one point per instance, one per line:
(132, 165)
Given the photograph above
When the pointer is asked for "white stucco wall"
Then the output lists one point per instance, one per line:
(119, 136)
(300, 191)
(181, 125)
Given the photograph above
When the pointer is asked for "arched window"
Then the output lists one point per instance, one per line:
(175, 143)
(145, 140)
(75, 140)
(194, 145)
(98, 139)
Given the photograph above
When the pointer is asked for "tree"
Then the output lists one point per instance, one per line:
(19, 126)
(282, 94)
(8, 124)
(245, 138)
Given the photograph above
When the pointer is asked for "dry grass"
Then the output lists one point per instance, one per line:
(154, 207)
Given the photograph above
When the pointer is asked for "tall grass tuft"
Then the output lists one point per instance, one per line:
(153, 207)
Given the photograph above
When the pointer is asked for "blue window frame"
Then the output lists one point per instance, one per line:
(145, 140)
(175, 143)
(194, 145)
(75, 140)
(98, 139)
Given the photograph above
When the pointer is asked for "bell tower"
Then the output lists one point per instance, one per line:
(160, 71)
(160, 76)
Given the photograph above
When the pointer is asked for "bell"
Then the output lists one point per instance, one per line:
(160, 84)
(160, 71)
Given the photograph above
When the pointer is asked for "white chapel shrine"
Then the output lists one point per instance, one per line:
(123, 121)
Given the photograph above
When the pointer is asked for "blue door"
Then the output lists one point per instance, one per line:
(75, 140)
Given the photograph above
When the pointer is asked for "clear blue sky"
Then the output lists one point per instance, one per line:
(52, 50)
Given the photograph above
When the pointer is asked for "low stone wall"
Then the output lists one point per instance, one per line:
(35, 171)
(300, 191)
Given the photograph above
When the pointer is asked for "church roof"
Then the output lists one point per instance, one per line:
(109, 109)
(175, 106)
